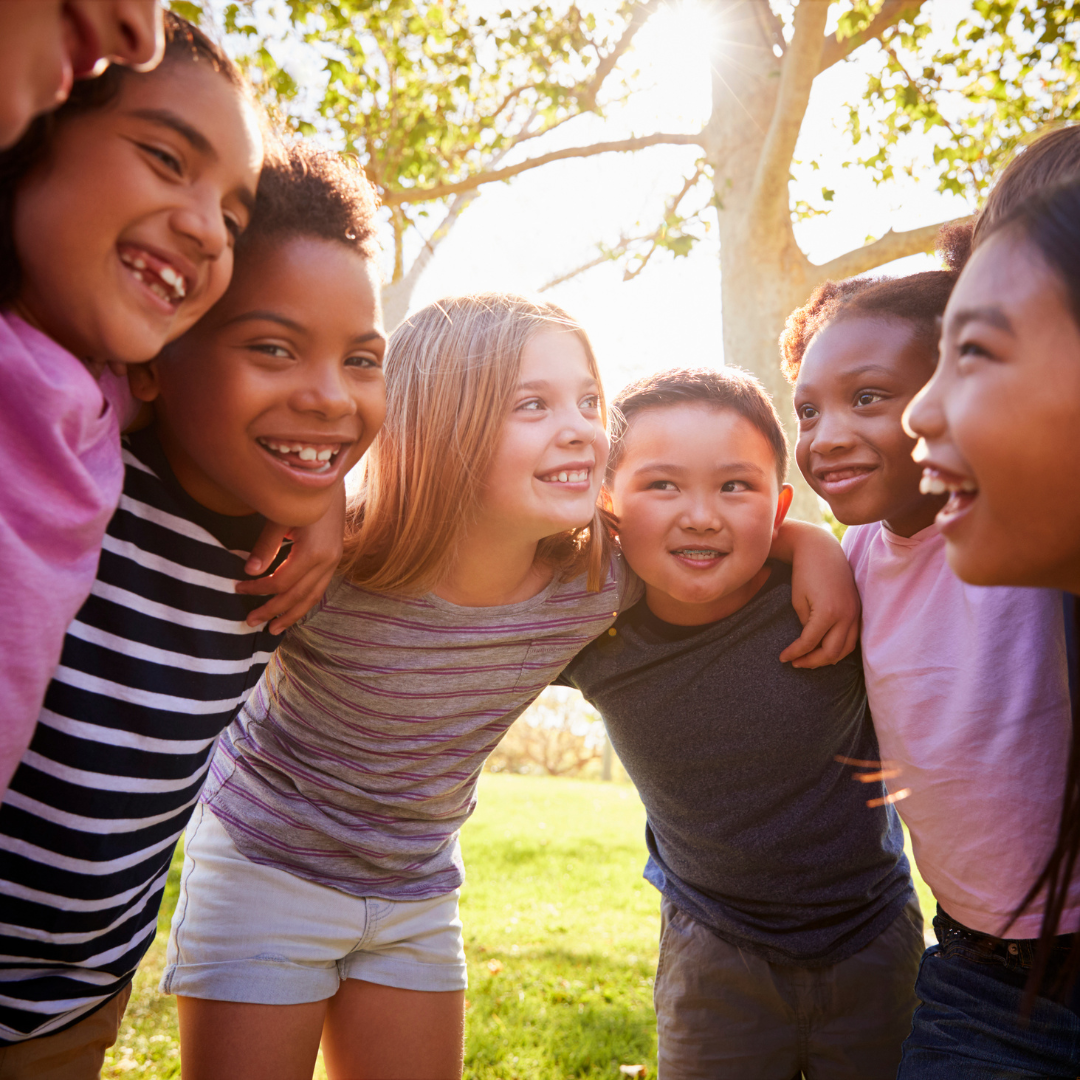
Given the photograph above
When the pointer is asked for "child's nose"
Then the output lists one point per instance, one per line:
(924, 416)
(128, 31)
(326, 394)
(201, 219)
(830, 433)
(578, 429)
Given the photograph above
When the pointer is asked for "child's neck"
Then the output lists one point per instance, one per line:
(915, 516)
(664, 606)
(490, 572)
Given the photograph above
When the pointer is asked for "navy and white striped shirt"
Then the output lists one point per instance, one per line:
(155, 664)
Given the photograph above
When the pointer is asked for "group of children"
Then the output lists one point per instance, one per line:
(172, 268)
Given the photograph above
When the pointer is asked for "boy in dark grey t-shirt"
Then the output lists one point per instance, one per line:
(791, 937)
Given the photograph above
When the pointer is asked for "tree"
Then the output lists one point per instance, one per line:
(435, 100)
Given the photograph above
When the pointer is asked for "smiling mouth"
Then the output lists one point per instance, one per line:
(567, 476)
(961, 490)
(312, 458)
(162, 279)
(701, 555)
(838, 480)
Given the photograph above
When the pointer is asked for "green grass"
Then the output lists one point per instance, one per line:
(560, 931)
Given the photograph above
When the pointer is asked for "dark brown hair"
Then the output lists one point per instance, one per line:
(918, 299)
(724, 388)
(184, 42)
(305, 191)
(1051, 158)
(1049, 219)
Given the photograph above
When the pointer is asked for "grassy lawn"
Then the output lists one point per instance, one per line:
(560, 931)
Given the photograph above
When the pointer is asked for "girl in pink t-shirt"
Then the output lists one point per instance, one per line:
(968, 686)
(998, 430)
(123, 207)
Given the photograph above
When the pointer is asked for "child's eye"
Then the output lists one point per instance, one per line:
(972, 348)
(532, 405)
(170, 161)
(234, 227)
(662, 485)
(363, 360)
(590, 401)
(868, 397)
(806, 412)
(268, 349)
(735, 485)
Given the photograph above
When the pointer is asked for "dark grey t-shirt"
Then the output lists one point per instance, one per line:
(754, 828)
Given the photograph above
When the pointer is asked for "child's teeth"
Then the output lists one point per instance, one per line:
(325, 455)
(157, 290)
(932, 485)
(141, 277)
(169, 276)
(562, 478)
(140, 264)
(308, 454)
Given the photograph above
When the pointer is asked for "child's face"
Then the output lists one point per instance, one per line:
(547, 471)
(269, 400)
(856, 379)
(699, 506)
(999, 422)
(125, 231)
(46, 44)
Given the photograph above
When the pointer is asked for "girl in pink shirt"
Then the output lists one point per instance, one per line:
(998, 430)
(968, 686)
(123, 207)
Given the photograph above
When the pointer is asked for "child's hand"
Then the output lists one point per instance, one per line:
(823, 593)
(298, 583)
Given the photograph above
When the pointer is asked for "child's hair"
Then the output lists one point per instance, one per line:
(305, 191)
(918, 299)
(183, 42)
(451, 372)
(1049, 159)
(723, 388)
(1049, 219)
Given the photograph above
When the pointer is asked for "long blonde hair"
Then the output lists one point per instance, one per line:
(451, 372)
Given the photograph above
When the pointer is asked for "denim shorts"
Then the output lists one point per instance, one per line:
(970, 1025)
(247, 932)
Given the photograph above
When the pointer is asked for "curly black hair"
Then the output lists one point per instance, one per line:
(305, 191)
(918, 299)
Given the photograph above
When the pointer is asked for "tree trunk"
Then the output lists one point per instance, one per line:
(763, 273)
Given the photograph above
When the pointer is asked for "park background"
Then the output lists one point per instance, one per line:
(677, 174)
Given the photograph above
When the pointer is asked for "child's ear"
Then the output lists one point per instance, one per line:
(783, 505)
(143, 380)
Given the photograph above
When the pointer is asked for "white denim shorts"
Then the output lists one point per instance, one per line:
(253, 933)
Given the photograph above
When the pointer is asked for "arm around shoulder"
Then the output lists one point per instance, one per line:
(823, 593)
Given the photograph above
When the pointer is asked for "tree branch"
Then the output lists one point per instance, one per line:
(620, 146)
(834, 50)
(638, 18)
(801, 63)
(771, 26)
(625, 242)
(893, 245)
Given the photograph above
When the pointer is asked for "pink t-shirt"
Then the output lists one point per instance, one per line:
(61, 479)
(968, 687)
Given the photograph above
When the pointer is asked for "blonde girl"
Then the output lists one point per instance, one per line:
(319, 897)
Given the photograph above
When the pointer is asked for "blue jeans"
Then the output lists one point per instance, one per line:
(969, 1025)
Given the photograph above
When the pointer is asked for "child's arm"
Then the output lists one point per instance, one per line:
(823, 593)
(297, 585)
